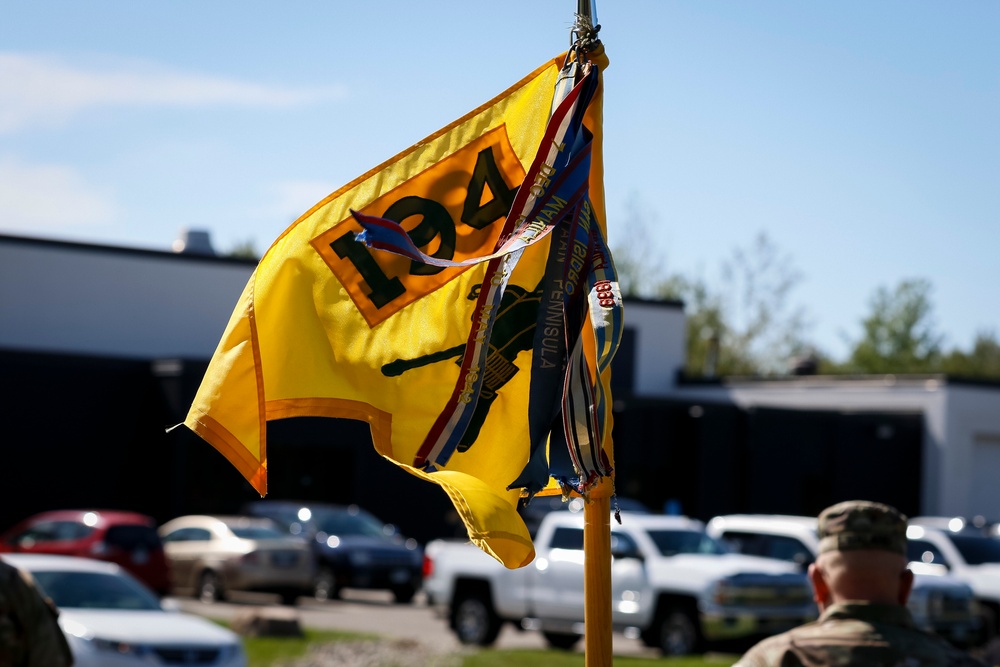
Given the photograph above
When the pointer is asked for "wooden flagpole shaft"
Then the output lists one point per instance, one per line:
(597, 577)
(597, 509)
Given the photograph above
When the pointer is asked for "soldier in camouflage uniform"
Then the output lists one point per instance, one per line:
(29, 633)
(861, 584)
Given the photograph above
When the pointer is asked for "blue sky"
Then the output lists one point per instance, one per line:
(862, 137)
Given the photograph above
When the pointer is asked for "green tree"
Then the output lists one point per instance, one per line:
(763, 329)
(982, 361)
(741, 324)
(899, 334)
(641, 266)
(244, 250)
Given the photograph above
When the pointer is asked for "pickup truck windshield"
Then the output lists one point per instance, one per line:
(977, 549)
(347, 523)
(673, 542)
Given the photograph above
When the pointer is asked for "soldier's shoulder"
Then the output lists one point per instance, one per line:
(770, 651)
(960, 658)
(925, 643)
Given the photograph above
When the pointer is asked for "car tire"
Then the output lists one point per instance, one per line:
(564, 641)
(675, 632)
(289, 598)
(473, 619)
(989, 620)
(325, 587)
(404, 594)
(209, 587)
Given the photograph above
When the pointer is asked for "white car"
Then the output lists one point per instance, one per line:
(112, 620)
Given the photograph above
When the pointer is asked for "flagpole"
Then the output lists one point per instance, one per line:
(597, 510)
(597, 577)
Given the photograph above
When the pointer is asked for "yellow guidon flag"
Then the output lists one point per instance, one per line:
(330, 327)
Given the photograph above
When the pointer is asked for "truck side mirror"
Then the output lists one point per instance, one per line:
(626, 553)
(624, 549)
(803, 561)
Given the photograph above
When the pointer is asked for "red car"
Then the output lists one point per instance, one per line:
(126, 538)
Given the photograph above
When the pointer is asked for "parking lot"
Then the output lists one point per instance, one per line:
(375, 612)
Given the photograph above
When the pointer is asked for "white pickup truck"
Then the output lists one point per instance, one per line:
(940, 603)
(964, 553)
(673, 586)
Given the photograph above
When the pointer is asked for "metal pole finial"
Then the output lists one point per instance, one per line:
(586, 27)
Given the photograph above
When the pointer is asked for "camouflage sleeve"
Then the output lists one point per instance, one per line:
(44, 640)
(773, 651)
(755, 657)
(962, 659)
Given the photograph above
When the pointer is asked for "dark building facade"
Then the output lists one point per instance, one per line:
(102, 350)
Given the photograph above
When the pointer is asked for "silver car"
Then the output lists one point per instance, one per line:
(215, 555)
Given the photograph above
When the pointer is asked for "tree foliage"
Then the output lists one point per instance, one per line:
(898, 334)
(765, 331)
(742, 323)
(244, 250)
(982, 361)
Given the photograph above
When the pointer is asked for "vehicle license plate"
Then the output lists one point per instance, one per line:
(399, 576)
(140, 556)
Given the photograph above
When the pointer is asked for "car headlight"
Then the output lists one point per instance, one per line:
(82, 638)
(230, 651)
(121, 648)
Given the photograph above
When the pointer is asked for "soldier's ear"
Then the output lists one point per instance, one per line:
(905, 586)
(821, 590)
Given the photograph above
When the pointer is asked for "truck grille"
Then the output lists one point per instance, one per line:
(187, 656)
(764, 591)
(391, 558)
(946, 607)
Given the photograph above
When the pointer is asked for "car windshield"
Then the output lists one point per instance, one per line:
(96, 590)
(673, 542)
(977, 549)
(348, 523)
(285, 517)
(133, 537)
(257, 532)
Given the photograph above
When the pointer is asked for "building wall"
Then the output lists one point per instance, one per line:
(115, 340)
(85, 299)
(161, 308)
(659, 345)
(961, 422)
(973, 466)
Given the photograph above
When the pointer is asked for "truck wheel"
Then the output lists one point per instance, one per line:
(675, 632)
(325, 586)
(474, 620)
(403, 594)
(988, 615)
(209, 587)
(561, 640)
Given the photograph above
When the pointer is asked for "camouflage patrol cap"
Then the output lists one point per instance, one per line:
(861, 524)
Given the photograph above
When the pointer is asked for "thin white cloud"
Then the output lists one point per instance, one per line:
(45, 198)
(39, 90)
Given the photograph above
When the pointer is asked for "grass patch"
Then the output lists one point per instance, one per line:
(536, 658)
(265, 651)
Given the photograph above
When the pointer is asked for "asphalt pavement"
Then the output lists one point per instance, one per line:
(376, 613)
